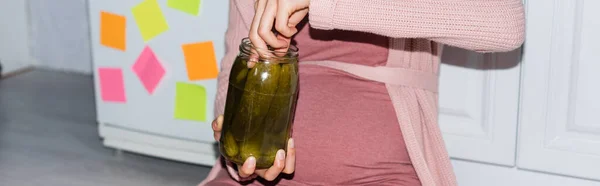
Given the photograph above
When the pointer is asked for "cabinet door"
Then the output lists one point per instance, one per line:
(478, 105)
(559, 119)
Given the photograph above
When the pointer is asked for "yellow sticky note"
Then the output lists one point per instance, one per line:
(188, 6)
(200, 60)
(190, 102)
(149, 19)
(112, 30)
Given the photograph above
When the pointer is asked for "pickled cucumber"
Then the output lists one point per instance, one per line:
(258, 146)
(261, 85)
(235, 89)
(250, 149)
(261, 147)
(264, 158)
(229, 144)
(239, 70)
(281, 104)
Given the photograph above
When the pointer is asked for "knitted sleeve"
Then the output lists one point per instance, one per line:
(478, 25)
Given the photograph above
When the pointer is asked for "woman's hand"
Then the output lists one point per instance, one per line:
(284, 14)
(283, 163)
(217, 125)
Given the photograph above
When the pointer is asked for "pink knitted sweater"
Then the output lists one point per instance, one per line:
(478, 25)
(416, 29)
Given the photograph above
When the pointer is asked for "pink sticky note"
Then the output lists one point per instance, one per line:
(112, 88)
(149, 69)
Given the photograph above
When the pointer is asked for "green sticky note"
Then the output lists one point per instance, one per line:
(190, 102)
(187, 6)
(149, 19)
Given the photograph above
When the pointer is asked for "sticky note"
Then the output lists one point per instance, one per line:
(188, 6)
(112, 88)
(200, 60)
(148, 69)
(149, 19)
(112, 30)
(190, 102)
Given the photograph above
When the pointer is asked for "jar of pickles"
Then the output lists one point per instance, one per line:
(260, 103)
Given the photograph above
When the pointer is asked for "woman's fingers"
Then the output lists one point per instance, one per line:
(288, 16)
(296, 17)
(274, 171)
(282, 51)
(290, 159)
(265, 29)
(256, 40)
(259, 7)
(217, 125)
(283, 164)
(253, 59)
(285, 14)
(281, 21)
(248, 168)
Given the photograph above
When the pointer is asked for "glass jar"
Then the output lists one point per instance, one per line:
(260, 105)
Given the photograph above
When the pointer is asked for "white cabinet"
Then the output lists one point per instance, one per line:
(536, 122)
(560, 109)
(478, 105)
(171, 120)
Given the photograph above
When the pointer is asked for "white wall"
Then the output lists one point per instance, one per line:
(49, 34)
(60, 36)
(14, 40)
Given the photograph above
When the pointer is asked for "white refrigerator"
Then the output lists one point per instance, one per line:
(155, 66)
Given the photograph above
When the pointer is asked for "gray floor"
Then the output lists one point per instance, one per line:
(48, 136)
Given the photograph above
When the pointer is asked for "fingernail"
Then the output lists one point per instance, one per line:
(251, 64)
(280, 155)
(220, 119)
(291, 143)
(252, 161)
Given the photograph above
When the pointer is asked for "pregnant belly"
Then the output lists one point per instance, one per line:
(346, 133)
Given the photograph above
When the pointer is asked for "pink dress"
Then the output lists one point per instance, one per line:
(366, 125)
